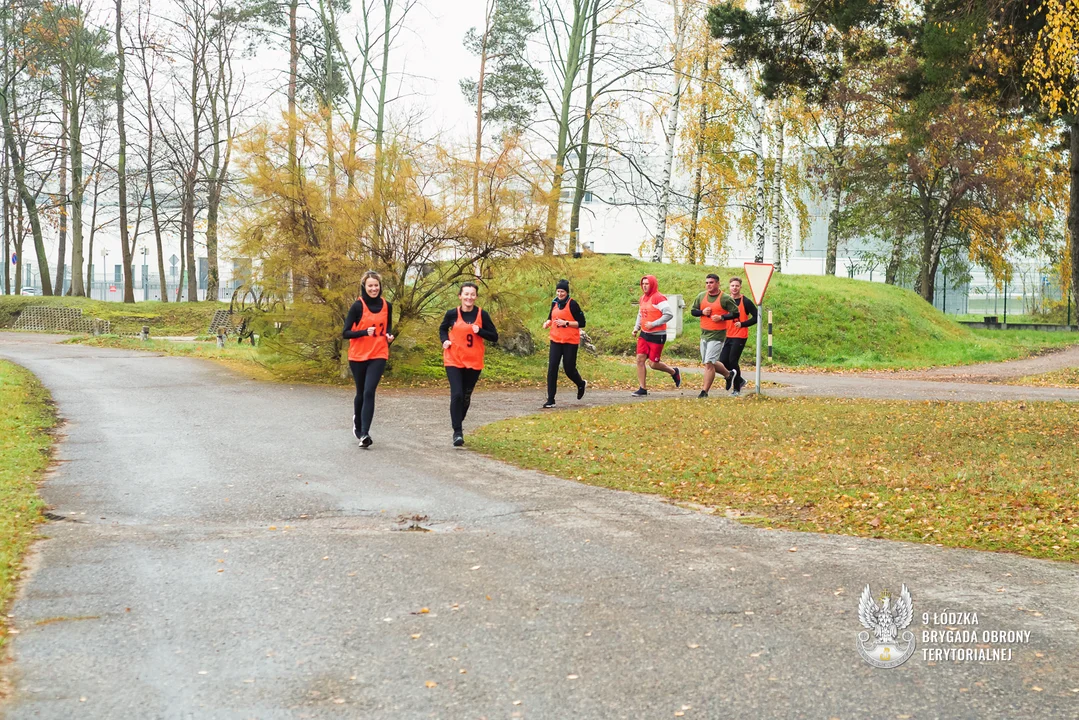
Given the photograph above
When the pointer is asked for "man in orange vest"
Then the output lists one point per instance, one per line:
(737, 333)
(651, 331)
(710, 306)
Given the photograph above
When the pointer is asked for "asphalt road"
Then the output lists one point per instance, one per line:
(226, 551)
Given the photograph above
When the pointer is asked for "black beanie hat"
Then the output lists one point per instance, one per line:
(562, 285)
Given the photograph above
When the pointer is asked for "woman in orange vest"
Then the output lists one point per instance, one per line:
(565, 321)
(463, 331)
(369, 331)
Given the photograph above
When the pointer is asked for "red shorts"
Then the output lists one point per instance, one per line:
(651, 349)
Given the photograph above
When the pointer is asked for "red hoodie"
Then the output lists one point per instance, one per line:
(649, 311)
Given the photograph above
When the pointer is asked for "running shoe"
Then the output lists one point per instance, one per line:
(355, 430)
(742, 382)
(365, 441)
(548, 405)
(731, 378)
(639, 392)
(704, 394)
(736, 393)
(677, 378)
(458, 440)
(581, 389)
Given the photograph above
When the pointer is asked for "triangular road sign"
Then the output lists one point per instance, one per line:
(758, 275)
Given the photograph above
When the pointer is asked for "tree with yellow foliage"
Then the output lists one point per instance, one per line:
(418, 228)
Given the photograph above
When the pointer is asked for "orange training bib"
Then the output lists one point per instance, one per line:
(567, 335)
(466, 347)
(370, 347)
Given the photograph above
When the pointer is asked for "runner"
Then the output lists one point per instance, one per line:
(651, 332)
(565, 321)
(369, 330)
(743, 318)
(710, 306)
(464, 331)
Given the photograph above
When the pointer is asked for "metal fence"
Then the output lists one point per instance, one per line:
(109, 285)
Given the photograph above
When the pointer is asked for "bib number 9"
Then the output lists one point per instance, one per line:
(468, 340)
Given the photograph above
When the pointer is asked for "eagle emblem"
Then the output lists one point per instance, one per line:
(886, 621)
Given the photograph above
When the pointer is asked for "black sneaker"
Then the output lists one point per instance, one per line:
(740, 383)
(356, 430)
(704, 394)
(365, 441)
(731, 378)
(677, 378)
(639, 392)
(458, 439)
(581, 388)
(548, 405)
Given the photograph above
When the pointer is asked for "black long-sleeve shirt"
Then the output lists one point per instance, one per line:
(487, 327)
(751, 312)
(374, 305)
(574, 310)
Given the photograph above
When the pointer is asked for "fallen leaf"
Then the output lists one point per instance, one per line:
(692, 646)
(571, 677)
(431, 684)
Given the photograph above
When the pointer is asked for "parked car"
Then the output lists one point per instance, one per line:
(30, 291)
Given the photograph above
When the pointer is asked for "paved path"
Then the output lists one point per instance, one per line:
(228, 552)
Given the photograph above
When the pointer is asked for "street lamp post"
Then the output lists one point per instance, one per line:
(145, 276)
(104, 273)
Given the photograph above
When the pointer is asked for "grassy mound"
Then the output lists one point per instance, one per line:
(823, 322)
(163, 318)
(819, 321)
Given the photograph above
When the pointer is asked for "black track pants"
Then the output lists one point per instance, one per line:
(731, 352)
(366, 373)
(462, 383)
(566, 354)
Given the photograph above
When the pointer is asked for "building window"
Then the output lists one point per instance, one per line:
(118, 273)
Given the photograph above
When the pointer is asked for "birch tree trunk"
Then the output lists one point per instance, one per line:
(759, 220)
(671, 132)
(777, 199)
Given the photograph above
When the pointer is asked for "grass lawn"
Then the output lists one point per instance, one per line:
(989, 476)
(1066, 378)
(26, 417)
(163, 318)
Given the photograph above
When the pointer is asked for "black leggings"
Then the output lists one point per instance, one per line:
(462, 383)
(565, 353)
(366, 373)
(731, 352)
